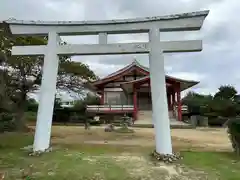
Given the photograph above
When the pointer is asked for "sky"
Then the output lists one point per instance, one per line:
(218, 63)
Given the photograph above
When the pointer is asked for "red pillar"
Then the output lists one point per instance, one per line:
(173, 98)
(169, 101)
(102, 97)
(179, 103)
(149, 95)
(135, 108)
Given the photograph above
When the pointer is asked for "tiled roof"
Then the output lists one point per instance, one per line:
(137, 64)
(134, 63)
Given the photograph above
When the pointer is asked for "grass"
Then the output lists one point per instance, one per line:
(224, 165)
(63, 163)
(66, 162)
(107, 161)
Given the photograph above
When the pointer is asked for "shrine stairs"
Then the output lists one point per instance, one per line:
(145, 120)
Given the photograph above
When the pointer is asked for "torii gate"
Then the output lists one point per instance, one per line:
(151, 25)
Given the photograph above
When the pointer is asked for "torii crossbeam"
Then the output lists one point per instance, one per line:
(151, 25)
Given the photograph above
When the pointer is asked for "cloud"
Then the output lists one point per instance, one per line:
(217, 64)
(188, 76)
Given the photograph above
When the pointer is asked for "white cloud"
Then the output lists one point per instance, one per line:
(217, 64)
(104, 69)
(188, 76)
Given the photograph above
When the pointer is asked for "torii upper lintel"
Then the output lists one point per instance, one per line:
(177, 22)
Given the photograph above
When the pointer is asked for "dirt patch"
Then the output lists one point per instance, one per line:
(140, 167)
(208, 139)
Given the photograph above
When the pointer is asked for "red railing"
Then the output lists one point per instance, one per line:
(109, 108)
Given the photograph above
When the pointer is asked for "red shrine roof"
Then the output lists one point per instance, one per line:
(184, 84)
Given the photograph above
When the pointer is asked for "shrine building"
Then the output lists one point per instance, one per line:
(128, 90)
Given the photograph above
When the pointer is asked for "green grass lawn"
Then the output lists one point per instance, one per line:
(225, 166)
(83, 162)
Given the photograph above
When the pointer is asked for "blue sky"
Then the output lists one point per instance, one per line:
(217, 64)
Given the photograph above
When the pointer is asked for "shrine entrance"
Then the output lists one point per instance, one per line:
(151, 25)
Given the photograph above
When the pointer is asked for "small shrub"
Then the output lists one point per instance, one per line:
(95, 123)
(126, 121)
(234, 134)
(30, 116)
(7, 122)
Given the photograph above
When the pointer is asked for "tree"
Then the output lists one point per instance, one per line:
(197, 103)
(57, 103)
(31, 105)
(5, 91)
(90, 99)
(24, 73)
(224, 102)
(226, 92)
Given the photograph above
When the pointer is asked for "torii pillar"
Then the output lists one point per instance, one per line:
(159, 94)
(47, 95)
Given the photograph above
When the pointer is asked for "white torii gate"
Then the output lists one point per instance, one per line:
(151, 25)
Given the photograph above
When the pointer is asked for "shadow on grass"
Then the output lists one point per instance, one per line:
(15, 140)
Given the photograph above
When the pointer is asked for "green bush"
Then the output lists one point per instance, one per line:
(234, 134)
(95, 123)
(31, 105)
(30, 116)
(7, 122)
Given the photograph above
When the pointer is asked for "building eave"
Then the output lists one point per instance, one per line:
(184, 84)
(145, 78)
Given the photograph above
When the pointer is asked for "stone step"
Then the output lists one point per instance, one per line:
(174, 124)
(148, 114)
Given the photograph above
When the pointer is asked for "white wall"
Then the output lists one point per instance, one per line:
(115, 98)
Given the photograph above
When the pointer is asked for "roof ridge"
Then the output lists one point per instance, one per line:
(137, 63)
(134, 62)
(119, 71)
(142, 66)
